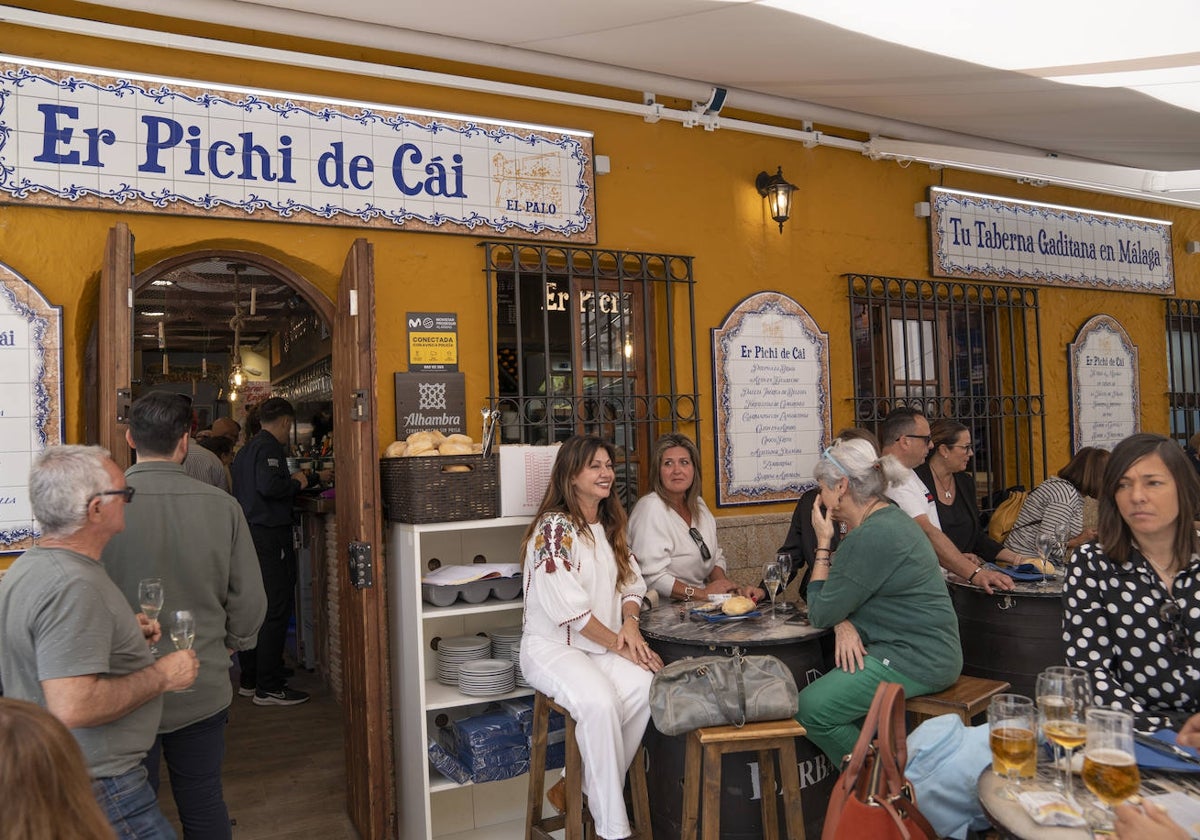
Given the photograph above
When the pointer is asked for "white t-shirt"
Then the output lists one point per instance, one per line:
(914, 498)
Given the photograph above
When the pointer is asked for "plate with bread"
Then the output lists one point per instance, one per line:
(737, 608)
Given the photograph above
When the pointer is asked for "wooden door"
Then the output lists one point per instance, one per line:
(115, 335)
(371, 788)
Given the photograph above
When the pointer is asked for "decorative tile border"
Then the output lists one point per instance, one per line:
(31, 397)
(81, 137)
(1105, 390)
(770, 399)
(991, 238)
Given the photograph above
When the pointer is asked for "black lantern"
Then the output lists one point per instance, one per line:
(778, 193)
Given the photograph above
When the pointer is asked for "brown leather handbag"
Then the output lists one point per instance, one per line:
(872, 798)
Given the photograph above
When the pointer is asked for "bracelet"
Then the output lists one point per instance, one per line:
(826, 550)
(637, 618)
(978, 569)
(823, 561)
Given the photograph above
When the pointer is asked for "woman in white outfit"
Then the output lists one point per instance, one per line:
(582, 646)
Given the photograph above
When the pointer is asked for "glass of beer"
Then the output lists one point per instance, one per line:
(1063, 695)
(1011, 732)
(1109, 768)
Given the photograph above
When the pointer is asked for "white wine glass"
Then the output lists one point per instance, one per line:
(1063, 696)
(784, 561)
(183, 634)
(1047, 548)
(1012, 724)
(773, 581)
(150, 599)
(1110, 770)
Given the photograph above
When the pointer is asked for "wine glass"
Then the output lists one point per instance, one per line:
(1109, 768)
(150, 599)
(1063, 695)
(784, 562)
(773, 582)
(1011, 728)
(1047, 549)
(183, 634)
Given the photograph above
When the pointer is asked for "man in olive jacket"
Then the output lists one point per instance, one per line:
(195, 538)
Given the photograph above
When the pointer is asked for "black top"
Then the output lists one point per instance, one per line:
(960, 519)
(261, 482)
(801, 541)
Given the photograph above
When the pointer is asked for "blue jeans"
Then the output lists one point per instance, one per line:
(131, 806)
(194, 757)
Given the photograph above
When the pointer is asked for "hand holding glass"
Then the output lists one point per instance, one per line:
(183, 634)
(1011, 728)
(150, 599)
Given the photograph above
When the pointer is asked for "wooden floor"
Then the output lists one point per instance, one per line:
(285, 769)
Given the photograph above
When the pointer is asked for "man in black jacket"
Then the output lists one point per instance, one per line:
(265, 490)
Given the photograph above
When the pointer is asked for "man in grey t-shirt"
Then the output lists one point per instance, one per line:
(70, 642)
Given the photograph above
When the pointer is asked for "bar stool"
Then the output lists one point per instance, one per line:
(576, 820)
(771, 740)
(968, 697)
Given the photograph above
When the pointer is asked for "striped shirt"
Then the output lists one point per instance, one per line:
(1053, 505)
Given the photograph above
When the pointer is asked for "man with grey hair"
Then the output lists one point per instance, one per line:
(70, 642)
(195, 539)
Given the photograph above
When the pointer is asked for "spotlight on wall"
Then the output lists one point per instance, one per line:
(1193, 247)
(778, 193)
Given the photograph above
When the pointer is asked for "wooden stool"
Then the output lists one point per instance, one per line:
(767, 737)
(576, 819)
(968, 697)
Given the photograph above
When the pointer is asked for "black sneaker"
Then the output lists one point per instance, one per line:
(245, 691)
(284, 697)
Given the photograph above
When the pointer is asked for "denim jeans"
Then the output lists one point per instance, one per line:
(131, 806)
(194, 756)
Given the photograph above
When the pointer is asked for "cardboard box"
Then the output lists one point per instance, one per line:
(524, 477)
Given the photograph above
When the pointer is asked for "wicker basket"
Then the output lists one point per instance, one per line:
(419, 490)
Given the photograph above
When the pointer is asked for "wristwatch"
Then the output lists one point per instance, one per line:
(689, 592)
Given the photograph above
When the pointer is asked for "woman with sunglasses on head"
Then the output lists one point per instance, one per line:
(672, 532)
(1132, 598)
(953, 487)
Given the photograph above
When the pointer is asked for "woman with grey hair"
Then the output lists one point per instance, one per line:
(885, 579)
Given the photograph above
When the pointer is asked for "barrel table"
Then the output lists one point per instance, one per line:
(1010, 636)
(674, 634)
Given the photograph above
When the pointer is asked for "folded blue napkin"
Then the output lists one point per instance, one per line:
(1024, 572)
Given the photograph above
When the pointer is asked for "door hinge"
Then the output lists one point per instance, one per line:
(124, 398)
(362, 572)
(359, 406)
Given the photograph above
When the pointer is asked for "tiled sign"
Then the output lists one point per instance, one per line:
(1104, 376)
(82, 137)
(991, 238)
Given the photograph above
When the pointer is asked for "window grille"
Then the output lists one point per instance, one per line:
(592, 341)
(967, 352)
(1183, 367)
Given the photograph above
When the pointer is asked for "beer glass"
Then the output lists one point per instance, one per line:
(1109, 768)
(1063, 695)
(1011, 733)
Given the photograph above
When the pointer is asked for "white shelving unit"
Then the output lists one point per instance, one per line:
(432, 806)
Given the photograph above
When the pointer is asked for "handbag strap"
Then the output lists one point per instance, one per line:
(863, 745)
(733, 711)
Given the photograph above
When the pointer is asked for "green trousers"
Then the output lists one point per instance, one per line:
(832, 707)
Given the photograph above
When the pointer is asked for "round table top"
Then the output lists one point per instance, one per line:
(1052, 588)
(674, 623)
(1012, 818)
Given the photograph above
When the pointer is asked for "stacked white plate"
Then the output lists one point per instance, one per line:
(453, 652)
(516, 658)
(485, 677)
(506, 642)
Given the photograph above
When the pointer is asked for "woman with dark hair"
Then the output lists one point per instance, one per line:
(672, 532)
(46, 791)
(582, 645)
(885, 579)
(953, 487)
(1056, 505)
(1132, 598)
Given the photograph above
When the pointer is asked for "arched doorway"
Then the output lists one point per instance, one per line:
(362, 612)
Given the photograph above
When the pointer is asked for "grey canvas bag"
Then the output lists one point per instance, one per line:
(721, 690)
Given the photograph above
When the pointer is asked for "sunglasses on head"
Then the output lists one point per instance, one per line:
(698, 539)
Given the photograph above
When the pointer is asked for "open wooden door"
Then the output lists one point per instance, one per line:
(115, 334)
(371, 787)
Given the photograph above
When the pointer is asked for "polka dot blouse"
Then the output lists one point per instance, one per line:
(1137, 642)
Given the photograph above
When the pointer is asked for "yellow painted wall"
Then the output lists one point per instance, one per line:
(671, 190)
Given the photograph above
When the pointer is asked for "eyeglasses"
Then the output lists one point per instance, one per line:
(926, 438)
(698, 539)
(1177, 635)
(969, 447)
(127, 492)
